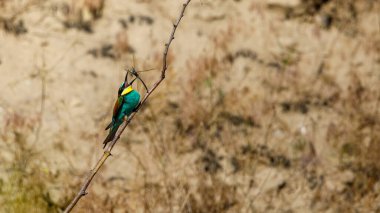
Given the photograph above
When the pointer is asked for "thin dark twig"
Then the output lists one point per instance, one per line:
(82, 192)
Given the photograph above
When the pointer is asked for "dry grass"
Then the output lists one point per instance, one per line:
(24, 177)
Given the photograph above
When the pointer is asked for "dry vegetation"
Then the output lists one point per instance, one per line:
(267, 106)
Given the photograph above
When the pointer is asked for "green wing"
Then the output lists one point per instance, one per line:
(117, 106)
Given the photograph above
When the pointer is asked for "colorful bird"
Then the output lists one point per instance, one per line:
(127, 101)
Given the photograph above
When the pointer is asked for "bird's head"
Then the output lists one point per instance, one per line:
(127, 84)
(132, 71)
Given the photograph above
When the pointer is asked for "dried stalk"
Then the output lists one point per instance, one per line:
(82, 192)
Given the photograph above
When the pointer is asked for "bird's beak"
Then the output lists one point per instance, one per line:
(132, 81)
(126, 78)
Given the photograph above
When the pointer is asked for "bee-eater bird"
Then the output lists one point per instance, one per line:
(127, 101)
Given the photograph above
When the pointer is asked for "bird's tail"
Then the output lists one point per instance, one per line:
(109, 125)
(110, 136)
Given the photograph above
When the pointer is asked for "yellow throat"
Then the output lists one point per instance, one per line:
(127, 90)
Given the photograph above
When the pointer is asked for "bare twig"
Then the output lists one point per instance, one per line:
(82, 192)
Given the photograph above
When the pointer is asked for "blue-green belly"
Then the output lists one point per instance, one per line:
(130, 102)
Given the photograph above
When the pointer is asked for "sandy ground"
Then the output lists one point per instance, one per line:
(268, 106)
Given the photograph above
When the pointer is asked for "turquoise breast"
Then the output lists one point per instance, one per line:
(131, 100)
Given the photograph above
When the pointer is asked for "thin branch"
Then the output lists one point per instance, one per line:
(82, 192)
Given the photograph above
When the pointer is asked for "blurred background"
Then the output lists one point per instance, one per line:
(268, 106)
